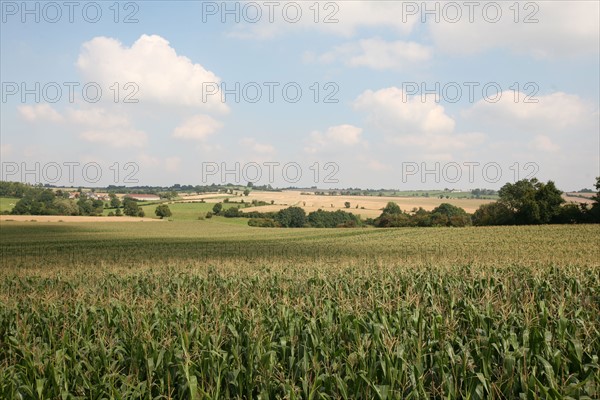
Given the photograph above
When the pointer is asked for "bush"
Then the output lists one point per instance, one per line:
(263, 223)
(209, 215)
(232, 212)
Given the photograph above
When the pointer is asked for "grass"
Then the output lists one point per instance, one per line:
(7, 203)
(210, 309)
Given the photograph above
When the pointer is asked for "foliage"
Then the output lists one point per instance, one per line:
(233, 212)
(263, 223)
(291, 217)
(332, 219)
(114, 200)
(131, 207)
(163, 211)
(531, 201)
(496, 213)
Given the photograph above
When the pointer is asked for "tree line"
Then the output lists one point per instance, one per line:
(526, 202)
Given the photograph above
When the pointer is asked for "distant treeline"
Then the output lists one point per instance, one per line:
(526, 202)
(40, 201)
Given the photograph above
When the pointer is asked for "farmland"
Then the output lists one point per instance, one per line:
(212, 309)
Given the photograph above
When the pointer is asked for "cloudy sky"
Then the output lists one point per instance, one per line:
(330, 94)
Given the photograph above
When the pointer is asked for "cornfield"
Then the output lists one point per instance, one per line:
(344, 315)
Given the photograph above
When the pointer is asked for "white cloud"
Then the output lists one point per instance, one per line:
(97, 125)
(342, 18)
(172, 164)
(5, 150)
(378, 54)
(97, 117)
(555, 112)
(163, 76)
(562, 28)
(40, 112)
(198, 127)
(253, 145)
(421, 128)
(544, 143)
(119, 137)
(396, 113)
(344, 135)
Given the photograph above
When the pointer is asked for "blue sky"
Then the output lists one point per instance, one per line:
(372, 58)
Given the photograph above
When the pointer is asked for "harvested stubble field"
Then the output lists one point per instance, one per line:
(207, 310)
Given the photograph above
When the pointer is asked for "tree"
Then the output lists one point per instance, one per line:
(448, 215)
(246, 192)
(130, 207)
(217, 208)
(347, 204)
(531, 201)
(114, 201)
(392, 208)
(495, 213)
(163, 211)
(595, 211)
(291, 217)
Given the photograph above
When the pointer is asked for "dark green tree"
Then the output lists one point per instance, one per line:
(291, 217)
(114, 201)
(130, 207)
(162, 211)
(532, 201)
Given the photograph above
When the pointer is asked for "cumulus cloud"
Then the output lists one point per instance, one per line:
(97, 125)
(335, 136)
(198, 128)
(5, 150)
(342, 18)
(97, 117)
(555, 112)
(394, 112)
(256, 147)
(544, 143)
(550, 30)
(162, 76)
(420, 126)
(119, 137)
(377, 54)
(172, 164)
(40, 112)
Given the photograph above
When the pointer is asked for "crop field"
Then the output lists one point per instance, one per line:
(213, 309)
(365, 206)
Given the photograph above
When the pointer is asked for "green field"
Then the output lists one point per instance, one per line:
(213, 309)
(7, 203)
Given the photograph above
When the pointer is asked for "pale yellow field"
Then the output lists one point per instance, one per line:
(372, 204)
(575, 199)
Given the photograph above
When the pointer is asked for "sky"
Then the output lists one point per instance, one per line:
(347, 94)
